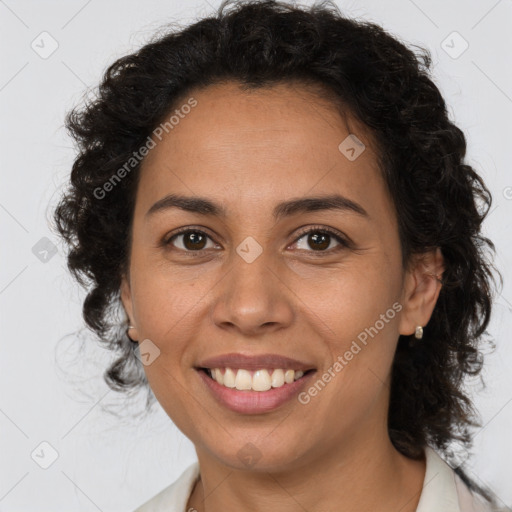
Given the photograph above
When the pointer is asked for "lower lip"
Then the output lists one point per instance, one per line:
(254, 402)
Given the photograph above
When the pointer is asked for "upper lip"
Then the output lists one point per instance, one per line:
(254, 362)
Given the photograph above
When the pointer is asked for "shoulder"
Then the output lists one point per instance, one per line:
(445, 491)
(471, 501)
(173, 498)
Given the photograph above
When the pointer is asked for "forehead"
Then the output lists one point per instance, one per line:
(259, 147)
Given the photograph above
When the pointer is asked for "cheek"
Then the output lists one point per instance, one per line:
(356, 314)
(349, 300)
(163, 298)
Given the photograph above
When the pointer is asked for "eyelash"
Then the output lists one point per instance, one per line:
(344, 243)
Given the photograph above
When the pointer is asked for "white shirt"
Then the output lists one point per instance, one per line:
(443, 491)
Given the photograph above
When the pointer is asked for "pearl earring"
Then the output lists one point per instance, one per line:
(418, 334)
(127, 330)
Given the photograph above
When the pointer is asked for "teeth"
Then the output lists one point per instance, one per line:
(243, 380)
(218, 376)
(260, 380)
(277, 378)
(229, 378)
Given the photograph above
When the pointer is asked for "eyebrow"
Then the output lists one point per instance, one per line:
(204, 206)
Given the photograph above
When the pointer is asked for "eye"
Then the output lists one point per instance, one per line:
(320, 239)
(193, 240)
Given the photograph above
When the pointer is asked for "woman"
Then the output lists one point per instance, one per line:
(277, 202)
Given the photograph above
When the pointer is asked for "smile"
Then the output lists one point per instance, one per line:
(238, 391)
(259, 380)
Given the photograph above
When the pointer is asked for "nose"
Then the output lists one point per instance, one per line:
(253, 299)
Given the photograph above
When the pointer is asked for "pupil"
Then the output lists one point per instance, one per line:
(320, 240)
(316, 237)
(195, 238)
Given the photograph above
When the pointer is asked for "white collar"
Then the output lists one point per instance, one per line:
(439, 489)
(443, 491)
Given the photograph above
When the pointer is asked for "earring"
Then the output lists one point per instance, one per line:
(127, 330)
(418, 334)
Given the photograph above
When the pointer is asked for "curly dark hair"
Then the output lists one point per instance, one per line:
(440, 201)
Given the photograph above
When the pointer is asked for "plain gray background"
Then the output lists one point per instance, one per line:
(53, 394)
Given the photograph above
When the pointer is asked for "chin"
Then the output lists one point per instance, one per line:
(258, 456)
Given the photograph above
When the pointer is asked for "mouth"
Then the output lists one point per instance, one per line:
(260, 380)
(253, 392)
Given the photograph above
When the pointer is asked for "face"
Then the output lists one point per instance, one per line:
(319, 285)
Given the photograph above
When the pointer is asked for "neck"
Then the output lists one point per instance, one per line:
(364, 474)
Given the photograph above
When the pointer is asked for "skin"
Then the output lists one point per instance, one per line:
(335, 449)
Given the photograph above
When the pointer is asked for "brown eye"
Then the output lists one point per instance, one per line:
(191, 240)
(319, 240)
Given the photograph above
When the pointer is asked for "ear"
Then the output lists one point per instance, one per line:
(422, 285)
(126, 299)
